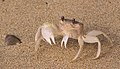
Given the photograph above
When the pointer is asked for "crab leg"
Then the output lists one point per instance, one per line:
(38, 38)
(96, 33)
(93, 39)
(81, 43)
(37, 44)
(99, 50)
(64, 40)
(38, 34)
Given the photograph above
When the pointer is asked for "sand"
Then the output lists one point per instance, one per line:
(23, 17)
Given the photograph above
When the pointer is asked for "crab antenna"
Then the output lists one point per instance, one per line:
(62, 18)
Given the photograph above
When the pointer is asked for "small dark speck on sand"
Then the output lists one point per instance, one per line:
(3, 0)
(46, 3)
(109, 2)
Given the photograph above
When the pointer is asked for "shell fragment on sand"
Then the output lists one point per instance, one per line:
(12, 40)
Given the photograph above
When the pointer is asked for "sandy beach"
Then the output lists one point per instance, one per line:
(23, 17)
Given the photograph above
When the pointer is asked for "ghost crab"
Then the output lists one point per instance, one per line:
(68, 28)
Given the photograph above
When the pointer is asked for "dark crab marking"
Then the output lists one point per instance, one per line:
(12, 40)
(69, 20)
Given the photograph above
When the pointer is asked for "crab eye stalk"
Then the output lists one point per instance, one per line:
(62, 18)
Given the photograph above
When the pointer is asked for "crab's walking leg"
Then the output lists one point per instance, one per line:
(38, 38)
(99, 50)
(64, 40)
(93, 39)
(37, 44)
(96, 33)
(38, 34)
(81, 43)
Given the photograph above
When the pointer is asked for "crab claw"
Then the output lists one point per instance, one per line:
(48, 34)
(96, 33)
(93, 39)
(53, 39)
(64, 40)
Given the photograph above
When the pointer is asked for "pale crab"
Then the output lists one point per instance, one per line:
(68, 28)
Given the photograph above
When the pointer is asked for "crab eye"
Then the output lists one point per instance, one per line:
(62, 18)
